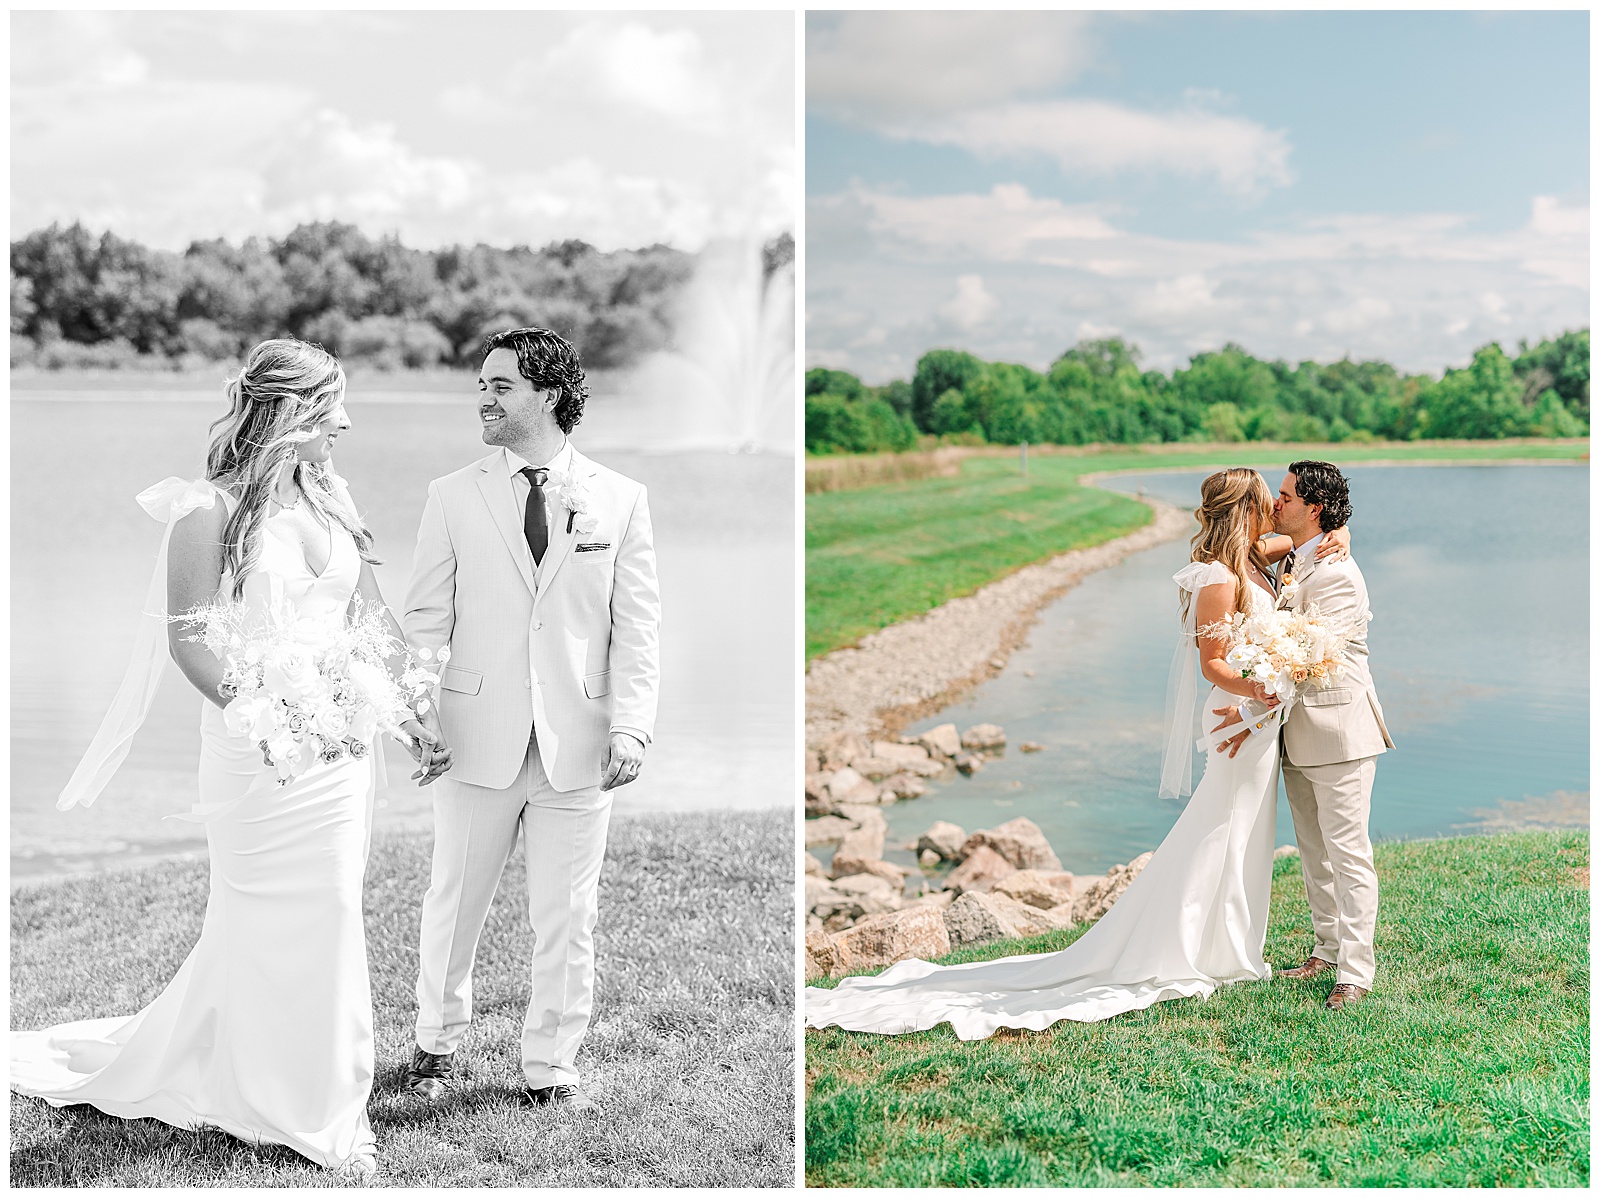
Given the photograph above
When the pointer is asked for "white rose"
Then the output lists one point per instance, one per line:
(291, 673)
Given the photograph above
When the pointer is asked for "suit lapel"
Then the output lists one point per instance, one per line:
(561, 541)
(502, 501)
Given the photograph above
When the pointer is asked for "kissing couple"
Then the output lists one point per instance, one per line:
(533, 593)
(1195, 917)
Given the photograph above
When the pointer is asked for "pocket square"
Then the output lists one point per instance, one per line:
(593, 547)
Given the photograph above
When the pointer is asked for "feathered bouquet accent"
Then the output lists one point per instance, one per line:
(1287, 652)
(311, 691)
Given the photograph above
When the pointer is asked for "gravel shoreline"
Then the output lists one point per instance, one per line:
(912, 669)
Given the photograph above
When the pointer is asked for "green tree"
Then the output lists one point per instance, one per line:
(938, 371)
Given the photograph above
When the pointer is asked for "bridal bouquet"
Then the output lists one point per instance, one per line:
(311, 691)
(1287, 652)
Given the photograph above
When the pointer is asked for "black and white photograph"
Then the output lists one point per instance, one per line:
(404, 631)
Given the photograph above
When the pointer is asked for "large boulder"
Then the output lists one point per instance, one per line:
(984, 736)
(875, 769)
(887, 870)
(1019, 841)
(839, 750)
(862, 815)
(1030, 921)
(943, 741)
(902, 753)
(1098, 897)
(975, 919)
(828, 829)
(1037, 888)
(848, 786)
(943, 838)
(814, 867)
(821, 956)
(982, 868)
(882, 940)
(858, 850)
(901, 786)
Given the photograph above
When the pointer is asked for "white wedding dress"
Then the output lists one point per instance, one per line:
(1194, 919)
(266, 1031)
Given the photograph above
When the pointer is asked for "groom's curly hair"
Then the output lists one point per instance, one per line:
(1321, 482)
(548, 361)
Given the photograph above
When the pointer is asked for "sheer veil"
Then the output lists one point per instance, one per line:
(169, 501)
(1180, 728)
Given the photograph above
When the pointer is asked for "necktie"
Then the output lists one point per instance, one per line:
(535, 520)
(1288, 566)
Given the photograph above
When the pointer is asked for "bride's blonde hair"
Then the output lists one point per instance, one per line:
(1228, 499)
(275, 403)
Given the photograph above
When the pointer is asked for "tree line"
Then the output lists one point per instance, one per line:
(78, 299)
(1096, 392)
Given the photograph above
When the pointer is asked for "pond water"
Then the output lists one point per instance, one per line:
(1479, 583)
(82, 551)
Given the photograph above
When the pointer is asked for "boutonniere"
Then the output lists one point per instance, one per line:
(573, 494)
(1288, 587)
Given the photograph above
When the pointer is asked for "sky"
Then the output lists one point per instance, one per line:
(1405, 186)
(622, 129)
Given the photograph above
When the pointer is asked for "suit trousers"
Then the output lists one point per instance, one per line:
(564, 842)
(1330, 805)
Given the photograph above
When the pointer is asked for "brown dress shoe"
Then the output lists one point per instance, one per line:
(1312, 967)
(1345, 994)
(430, 1075)
(568, 1098)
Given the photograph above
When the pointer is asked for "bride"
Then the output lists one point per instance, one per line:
(1196, 917)
(266, 1031)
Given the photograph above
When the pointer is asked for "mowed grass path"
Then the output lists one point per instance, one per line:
(691, 1051)
(1467, 1066)
(883, 554)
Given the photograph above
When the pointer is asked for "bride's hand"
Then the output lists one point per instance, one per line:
(1335, 545)
(1262, 695)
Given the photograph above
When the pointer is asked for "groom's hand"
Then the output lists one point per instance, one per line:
(427, 747)
(620, 765)
(1230, 715)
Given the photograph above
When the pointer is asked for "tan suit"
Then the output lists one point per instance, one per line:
(546, 662)
(1331, 741)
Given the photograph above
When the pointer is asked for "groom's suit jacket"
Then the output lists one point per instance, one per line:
(1345, 721)
(568, 650)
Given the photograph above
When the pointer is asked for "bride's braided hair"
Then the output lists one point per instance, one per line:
(1228, 499)
(285, 390)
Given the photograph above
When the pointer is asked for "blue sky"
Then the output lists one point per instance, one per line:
(622, 129)
(1397, 185)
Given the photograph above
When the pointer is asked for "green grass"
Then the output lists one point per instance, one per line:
(1468, 1065)
(691, 1051)
(883, 554)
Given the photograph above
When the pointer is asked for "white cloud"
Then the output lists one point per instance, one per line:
(620, 129)
(1421, 291)
(1005, 224)
(971, 305)
(1098, 137)
(864, 67)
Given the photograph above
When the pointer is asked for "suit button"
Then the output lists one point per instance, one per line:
(537, 625)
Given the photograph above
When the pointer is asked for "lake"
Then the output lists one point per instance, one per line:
(1479, 583)
(82, 551)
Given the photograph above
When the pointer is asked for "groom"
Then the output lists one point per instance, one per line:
(1331, 740)
(535, 567)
